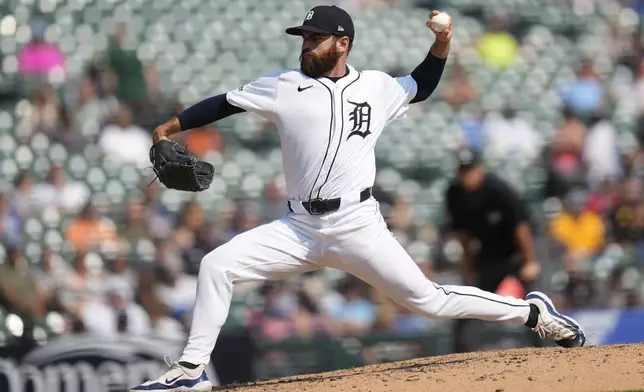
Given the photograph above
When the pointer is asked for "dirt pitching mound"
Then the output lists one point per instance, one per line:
(603, 368)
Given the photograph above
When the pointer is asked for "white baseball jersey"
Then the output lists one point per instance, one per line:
(328, 130)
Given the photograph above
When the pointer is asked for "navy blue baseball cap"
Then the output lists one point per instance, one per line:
(326, 19)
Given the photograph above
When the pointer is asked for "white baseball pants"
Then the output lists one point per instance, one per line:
(354, 239)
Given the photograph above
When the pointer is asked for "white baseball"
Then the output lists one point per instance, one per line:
(440, 21)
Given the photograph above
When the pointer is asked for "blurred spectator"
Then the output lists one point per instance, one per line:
(175, 288)
(271, 322)
(135, 224)
(126, 142)
(248, 215)
(318, 287)
(223, 222)
(638, 87)
(24, 202)
(120, 277)
(68, 196)
(356, 315)
(159, 217)
(157, 107)
(204, 243)
(128, 70)
(420, 253)
(563, 156)
(619, 45)
(129, 317)
(19, 292)
(90, 229)
(11, 225)
(508, 133)
(585, 95)
(621, 293)
(581, 232)
(124, 315)
(115, 315)
(163, 326)
(498, 47)
(91, 111)
(43, 115)
(458, 90)
(68, 133)
(579, 290)
(308, 322)
(104, 82)
(203, 140)
(428, 235)
(601, 152)
(408, 323)
(167, 258)
(400, 220)
(387, 312)
(50, 276)
(569, 137)
(191, 220)
(635, 158)
(82, 292)
(146, 283)
(473, 131)
(39, 57)
(627, 218)
(274, 196)
(605, 199)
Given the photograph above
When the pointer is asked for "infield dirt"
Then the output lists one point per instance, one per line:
(601, 368)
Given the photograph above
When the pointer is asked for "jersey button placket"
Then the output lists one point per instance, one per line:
(327, 164)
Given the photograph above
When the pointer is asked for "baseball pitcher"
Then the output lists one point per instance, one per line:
(329, 116)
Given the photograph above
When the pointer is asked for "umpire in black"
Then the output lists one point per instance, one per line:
(492, 225)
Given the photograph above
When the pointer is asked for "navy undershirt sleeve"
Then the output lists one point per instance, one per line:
(427, 75)
(206, 112)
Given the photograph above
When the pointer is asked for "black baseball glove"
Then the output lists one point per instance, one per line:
(178, 168)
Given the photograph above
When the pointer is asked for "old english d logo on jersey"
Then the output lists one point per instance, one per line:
(361, 118)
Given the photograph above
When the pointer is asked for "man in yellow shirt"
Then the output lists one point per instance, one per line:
(581, 231)
(498, 47)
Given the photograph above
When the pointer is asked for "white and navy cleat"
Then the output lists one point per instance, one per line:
(178, 379)
(564, 330)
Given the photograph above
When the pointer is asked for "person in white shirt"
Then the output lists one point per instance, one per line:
(329, 116)
(124, 141)
(68, 196)
(601, 153)
(508, 133)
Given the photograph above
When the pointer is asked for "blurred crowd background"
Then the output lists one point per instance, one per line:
(552, 92)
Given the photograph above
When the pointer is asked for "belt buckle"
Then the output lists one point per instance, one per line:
(313, 205)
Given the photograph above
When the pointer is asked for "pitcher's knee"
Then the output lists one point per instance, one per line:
(218, 263)
(427, 300)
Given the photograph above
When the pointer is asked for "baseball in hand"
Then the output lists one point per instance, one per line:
(440, 21)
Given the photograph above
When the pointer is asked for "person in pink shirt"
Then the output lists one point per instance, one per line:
(39, 57)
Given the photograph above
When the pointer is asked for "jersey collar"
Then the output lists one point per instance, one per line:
(346, 73)
(350, 77)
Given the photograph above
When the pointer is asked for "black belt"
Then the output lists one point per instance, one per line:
(321, 206)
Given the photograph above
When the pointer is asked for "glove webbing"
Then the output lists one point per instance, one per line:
(156, 175)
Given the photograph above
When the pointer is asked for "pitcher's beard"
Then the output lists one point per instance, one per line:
(315, 66)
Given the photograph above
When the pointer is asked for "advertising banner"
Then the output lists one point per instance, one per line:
(85, 363)
(612, 326)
